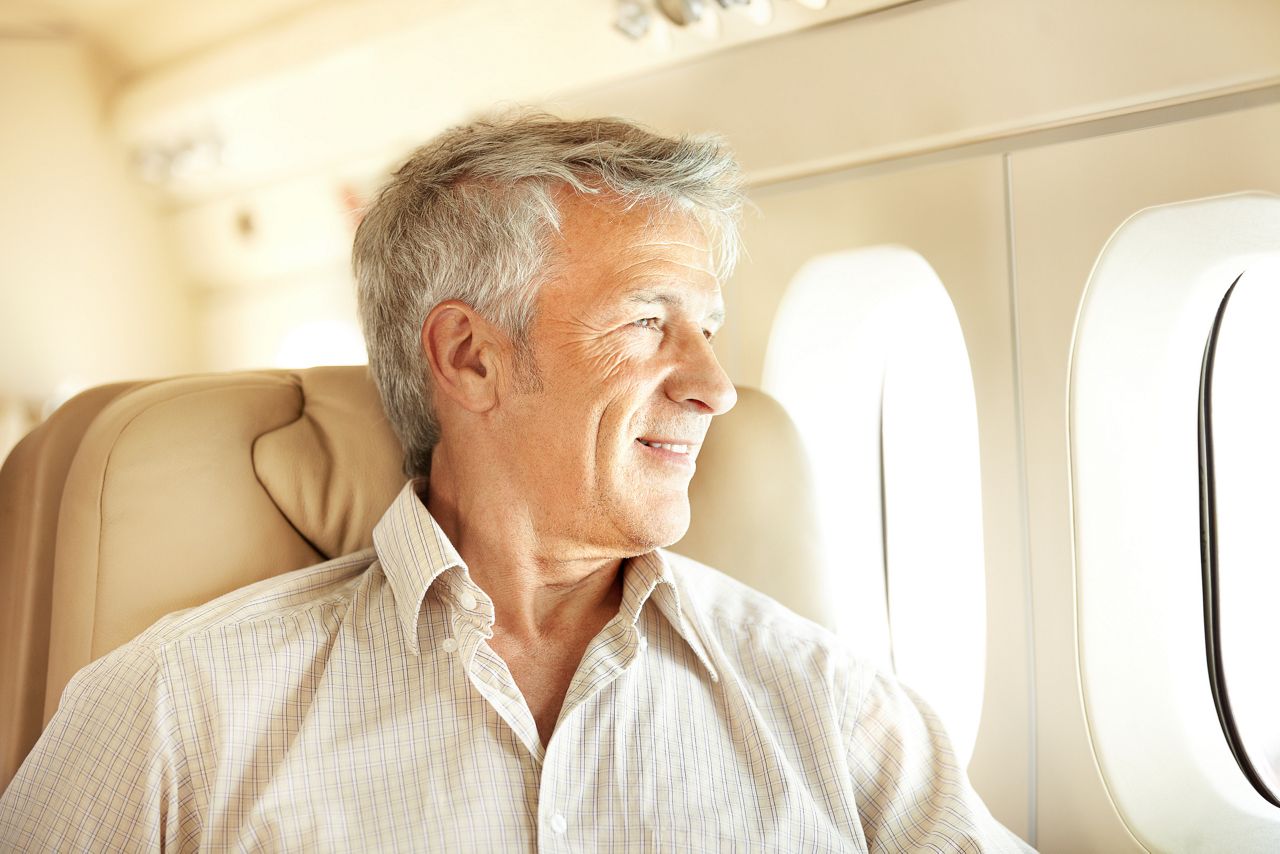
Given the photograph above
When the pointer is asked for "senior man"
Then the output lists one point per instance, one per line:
(519, 665)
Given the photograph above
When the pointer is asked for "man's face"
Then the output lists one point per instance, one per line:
(629, 382)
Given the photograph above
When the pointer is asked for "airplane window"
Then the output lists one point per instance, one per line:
(1240, 470)
(1172, 557)
(868, 357)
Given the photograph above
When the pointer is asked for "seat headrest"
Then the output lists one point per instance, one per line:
(185, 489)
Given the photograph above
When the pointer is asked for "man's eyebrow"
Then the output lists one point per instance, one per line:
(650, 296)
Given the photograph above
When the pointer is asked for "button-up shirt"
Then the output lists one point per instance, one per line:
(358, 706)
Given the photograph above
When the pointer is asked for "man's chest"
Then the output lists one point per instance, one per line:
(651, 761)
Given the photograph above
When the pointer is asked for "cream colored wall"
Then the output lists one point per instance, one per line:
(932, 75)
(88, 288)
(267, 264)
(923, 77)
(369, 77)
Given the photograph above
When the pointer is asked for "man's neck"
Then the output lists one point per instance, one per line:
(548, 605)
(539, 593)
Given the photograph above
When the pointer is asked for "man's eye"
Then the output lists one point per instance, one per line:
(649, 323)
(710, 334)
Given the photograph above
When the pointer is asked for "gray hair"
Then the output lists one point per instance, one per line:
(472, 215)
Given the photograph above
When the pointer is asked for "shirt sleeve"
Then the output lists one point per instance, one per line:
(911, 793)
(107, 774)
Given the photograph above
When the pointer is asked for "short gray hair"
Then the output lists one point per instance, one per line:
(471, 216)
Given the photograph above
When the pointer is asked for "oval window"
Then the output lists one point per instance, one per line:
(868, 357)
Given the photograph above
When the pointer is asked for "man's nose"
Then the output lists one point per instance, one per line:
(699, 381)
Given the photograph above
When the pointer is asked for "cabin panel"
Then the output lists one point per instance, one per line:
(1068, 200)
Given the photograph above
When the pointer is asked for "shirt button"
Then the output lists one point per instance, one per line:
(466, 600)
(558, 824)
(644, 644)
(449, 645)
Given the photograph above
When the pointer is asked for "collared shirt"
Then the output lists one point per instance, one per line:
(357, 706)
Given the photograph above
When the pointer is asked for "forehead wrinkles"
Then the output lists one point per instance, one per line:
(659, 253)
(665, 251)
(620, 265)
(607, 225)
(605, 251)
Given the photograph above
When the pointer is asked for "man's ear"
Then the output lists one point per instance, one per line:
(463, 353)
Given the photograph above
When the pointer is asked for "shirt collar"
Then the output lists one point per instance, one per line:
(414, 552)
(652, 576)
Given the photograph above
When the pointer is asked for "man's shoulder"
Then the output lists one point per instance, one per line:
(774, 652)
(289, 595)
(742, 612)
(295, 595)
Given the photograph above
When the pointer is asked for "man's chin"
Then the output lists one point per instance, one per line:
(657, 525)
(669, 528)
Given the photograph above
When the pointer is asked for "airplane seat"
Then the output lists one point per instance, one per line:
(31, 484)
(136, 500)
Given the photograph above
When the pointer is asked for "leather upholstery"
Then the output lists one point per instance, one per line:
(136, 500)
(31, 486)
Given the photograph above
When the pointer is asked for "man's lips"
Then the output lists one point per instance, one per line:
(682, 447)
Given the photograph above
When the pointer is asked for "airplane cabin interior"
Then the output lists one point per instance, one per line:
(1002, 330)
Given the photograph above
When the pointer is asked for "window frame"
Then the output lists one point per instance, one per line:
(1135, 379)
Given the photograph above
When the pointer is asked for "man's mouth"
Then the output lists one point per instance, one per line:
(673, 447)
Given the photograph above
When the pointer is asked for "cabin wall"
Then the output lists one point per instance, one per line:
(937, 74)
(932, 77)
(89, 290)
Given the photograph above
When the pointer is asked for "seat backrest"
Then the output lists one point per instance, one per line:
(180, 490)
(31, 485)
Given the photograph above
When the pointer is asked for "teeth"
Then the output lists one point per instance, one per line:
(675, 449)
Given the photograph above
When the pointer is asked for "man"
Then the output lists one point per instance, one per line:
(519, 665)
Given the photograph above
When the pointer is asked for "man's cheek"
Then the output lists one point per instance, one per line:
(603, 360)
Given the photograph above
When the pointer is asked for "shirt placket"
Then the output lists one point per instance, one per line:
(613, 653)
(471, 626)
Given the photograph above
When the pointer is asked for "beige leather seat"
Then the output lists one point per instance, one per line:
(135, 500)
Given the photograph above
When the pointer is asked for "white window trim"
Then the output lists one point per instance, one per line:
(1134, 391)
